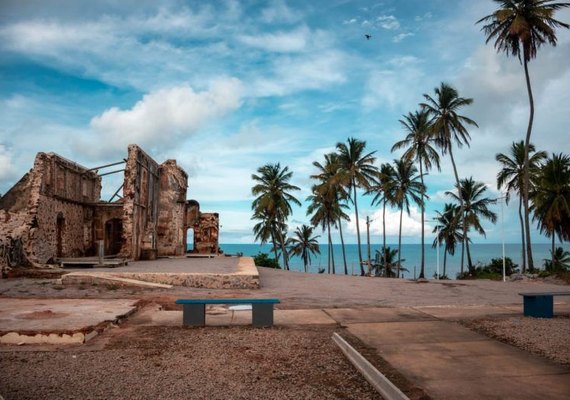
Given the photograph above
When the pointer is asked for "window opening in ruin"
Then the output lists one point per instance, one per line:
(60, 227)
(113, 236)
(190, 240)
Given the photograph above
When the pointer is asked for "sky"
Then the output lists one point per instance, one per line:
(225, 87)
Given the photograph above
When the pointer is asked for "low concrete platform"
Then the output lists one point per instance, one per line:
(222, 316)
(58, 321)
(213, 273)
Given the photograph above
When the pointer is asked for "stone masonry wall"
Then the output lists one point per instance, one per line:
(206, 234)
(56, 189)
(171, 228)
(140, 205)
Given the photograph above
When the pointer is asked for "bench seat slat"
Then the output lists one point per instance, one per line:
(227, 301)
(534, 294)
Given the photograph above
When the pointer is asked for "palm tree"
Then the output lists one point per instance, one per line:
(511, 178)
(449, 231)
(418, 145)
(357, 170)
(519, 28)
(560, 261)
(383, 188)
(448, 127)
(475, 207)
(407, 188)
(324, 213)
(551, 198)
(330, 176)
(303, 244)
(264, 230)
(388, 264)
(274, 200)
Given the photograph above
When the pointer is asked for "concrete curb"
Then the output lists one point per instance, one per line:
(371, 374)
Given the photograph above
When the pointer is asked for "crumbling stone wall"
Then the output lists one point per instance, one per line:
(171, 228)
(206, 233)
(49, 209)
(55, 211)
(140, 205)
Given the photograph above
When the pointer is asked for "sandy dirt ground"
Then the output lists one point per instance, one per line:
(180, 363)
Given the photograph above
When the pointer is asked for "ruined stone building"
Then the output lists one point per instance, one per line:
(55, 211)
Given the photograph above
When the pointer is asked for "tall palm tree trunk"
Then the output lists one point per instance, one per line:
(469, 262)
(384, 233)
(422, 262)
(526, 185)
(461, 208)
(331, 253)
(400, 242)
(523, 253)
(553, 249)
(274, 246)
(342, 244)
(285, 259)
(357, 230)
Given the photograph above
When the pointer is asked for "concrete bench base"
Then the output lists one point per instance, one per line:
(540, 305)
(194, 310)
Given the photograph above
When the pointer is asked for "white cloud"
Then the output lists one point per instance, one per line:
(388, 22)
(398, 38)
(349, 21)
(311, 71)
(411, 224)
(395, 84)
(164, 115)
(424, 17)
(6, 167)
(282, 42)
(279, 12)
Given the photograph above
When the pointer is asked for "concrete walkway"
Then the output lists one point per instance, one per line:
(450, 361)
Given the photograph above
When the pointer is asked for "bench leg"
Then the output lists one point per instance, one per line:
(539, 306)
(194, 315)
(262, 314)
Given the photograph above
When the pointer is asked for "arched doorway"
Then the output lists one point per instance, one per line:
(190, 240)
(113, 236)
(59, 231)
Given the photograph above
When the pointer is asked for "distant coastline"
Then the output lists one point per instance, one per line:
(482, 252)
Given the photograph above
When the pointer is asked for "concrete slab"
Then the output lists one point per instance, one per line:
(380, 334)
(214, 273)
(450, 361)
(302, 317)
(57, 321)
(345, 316)
(75, 278)
(456, 313)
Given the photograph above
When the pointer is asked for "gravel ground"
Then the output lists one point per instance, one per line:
(547, 337)
(179, 363)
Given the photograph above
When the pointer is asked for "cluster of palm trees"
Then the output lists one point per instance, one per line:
(437, 128)
(519, 28)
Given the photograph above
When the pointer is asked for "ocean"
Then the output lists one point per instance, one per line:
(411, 253)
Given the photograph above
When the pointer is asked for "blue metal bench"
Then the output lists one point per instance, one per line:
(194, 310)
(540, 304)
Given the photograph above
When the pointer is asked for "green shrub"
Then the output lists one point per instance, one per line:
(263, 260)
(493, 270)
